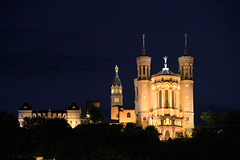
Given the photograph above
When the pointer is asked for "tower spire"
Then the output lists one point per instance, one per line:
(143, 50)
(185, 49)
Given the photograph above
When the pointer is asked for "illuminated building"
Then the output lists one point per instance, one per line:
(164, 100)
(72, 114)
(119, 114)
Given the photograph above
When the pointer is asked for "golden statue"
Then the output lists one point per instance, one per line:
(116, 69)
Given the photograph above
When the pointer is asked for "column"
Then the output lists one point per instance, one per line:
(170, 98)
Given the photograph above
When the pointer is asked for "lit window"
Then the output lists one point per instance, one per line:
(116, 90)
(116, 100)
(144, 85)
(187, 97)
(186, 85)
(112, 91)
(167, 121)
(144, 97)
(120, 91)
(128, 115)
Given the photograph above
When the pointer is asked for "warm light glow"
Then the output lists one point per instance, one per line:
(120, 91)
(116, 90)
(116, 100)
(186, 85)
(167, 121)
(112, 91)
(144, 85)
(144, 97)
(187, 97)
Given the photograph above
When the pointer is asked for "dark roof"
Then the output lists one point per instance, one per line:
(73, 106)
(116, 80)
(25, 106)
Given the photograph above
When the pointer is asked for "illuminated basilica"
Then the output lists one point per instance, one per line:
(164, 100)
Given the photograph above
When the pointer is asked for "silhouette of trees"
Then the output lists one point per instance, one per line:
(210, 117)
(95, 114)
(55, 138)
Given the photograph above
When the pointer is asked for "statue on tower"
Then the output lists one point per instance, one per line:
(116, 69)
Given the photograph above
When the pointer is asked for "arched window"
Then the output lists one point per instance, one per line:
(128, 115)
(143, 69)
(173, 99)
(166, 99)
(160, 98)
(167, 135)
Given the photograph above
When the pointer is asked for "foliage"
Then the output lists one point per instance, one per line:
(230, 119)
(55, 138)
(96, 115)
(34, 122)
(210, 117)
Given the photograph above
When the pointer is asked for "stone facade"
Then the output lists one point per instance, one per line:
(164, 100)
(72, 114)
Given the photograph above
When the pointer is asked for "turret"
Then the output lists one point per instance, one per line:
(186, 64)
(144, 64)
(143, 87)
(186, 92)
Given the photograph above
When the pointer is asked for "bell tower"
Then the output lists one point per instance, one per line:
(116, 90)
(143, 87)
(143, 64)
(186, 91)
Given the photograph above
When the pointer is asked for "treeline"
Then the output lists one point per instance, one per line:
(55, 138)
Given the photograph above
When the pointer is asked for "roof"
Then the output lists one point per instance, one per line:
(25, 106)
(52, 111)
(165, 72)
(116, 80)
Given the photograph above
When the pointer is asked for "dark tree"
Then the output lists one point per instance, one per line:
(8, 135)
(30, 123)
(210, 117)
(230, 119)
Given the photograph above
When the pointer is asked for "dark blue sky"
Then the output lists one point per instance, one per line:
(53, 53)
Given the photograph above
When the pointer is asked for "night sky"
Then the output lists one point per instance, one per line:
(53, 53)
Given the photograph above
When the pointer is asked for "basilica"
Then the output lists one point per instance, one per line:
(164, 99)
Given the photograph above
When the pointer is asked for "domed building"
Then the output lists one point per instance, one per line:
(165, 99)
